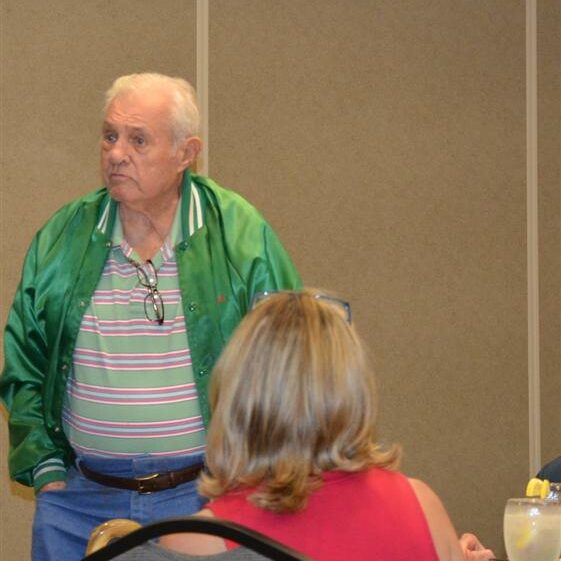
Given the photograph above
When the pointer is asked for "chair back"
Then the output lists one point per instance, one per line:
(255, 541)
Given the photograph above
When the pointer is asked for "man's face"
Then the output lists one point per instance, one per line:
(140, 164)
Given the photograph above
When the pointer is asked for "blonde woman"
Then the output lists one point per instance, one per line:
(292, 448)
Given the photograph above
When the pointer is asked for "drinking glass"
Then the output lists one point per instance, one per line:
(532, 530)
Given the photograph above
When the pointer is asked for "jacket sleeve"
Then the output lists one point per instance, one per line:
(26, 364)
(258, 259)
(272, 268)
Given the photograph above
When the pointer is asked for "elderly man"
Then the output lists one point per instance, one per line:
(127, 298)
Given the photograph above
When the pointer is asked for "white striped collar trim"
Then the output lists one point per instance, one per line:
(102, 224)
(195, 211)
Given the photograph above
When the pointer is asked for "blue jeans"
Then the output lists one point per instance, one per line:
(64, 519)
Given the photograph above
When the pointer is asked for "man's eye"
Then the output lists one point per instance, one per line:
(139, 140)
(110, 137)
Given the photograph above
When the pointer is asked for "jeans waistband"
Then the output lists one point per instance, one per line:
(139, 465)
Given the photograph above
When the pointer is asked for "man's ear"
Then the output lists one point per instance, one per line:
(188, 151)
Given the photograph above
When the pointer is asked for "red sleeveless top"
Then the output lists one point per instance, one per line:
(372, 515)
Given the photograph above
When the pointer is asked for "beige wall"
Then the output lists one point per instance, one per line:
(386, 142)
(57, 59)
(549, 154)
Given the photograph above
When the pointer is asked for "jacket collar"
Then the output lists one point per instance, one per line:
(191, 211)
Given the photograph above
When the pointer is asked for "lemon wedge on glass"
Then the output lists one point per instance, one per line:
(526, 535)
(538, 488)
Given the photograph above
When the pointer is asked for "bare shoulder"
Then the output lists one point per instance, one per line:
(194, 544)
(442, 531)
(426, 496)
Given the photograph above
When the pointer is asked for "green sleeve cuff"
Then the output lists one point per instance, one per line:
(47, 472)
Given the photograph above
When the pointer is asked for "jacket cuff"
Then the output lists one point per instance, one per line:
(47, 472)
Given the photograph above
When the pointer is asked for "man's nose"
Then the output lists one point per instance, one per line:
(118, 152)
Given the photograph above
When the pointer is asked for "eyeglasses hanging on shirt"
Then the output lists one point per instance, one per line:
(153, 303)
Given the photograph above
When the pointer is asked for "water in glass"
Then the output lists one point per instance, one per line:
(532, 530)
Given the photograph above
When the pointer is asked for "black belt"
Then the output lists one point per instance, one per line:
(146, 484)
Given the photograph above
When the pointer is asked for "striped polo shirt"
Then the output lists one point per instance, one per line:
(132, 390)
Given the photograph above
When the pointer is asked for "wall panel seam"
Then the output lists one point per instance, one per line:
(534, 413)
(202, 33)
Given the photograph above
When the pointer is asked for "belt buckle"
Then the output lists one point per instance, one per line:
(142, 480)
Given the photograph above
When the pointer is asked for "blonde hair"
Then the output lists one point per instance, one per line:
(292, 396)
(185, 118)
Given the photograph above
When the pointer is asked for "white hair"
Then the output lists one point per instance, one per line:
(185, 117)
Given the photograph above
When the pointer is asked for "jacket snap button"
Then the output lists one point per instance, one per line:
(192, 306)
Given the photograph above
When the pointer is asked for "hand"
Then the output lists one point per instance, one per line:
(474, 550)
(53, 486)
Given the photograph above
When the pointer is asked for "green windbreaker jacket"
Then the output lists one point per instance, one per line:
(228, 253)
